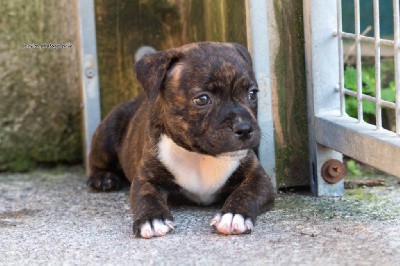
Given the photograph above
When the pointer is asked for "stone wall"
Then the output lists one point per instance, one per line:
(40, 119)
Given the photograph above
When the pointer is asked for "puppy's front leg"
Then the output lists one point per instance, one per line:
(253, 196)
(150, 210)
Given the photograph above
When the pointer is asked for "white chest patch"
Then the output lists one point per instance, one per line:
(198, 174)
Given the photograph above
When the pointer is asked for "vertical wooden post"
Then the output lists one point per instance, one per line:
(289, 97)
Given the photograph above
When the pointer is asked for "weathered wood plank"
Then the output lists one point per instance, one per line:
(289, 92)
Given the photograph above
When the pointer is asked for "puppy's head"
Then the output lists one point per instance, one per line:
(205, 95)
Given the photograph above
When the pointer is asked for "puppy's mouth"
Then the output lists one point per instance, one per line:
(227, 145)
(221, 142)
(237, 155)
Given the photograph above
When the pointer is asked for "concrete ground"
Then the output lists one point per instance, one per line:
(50, 217)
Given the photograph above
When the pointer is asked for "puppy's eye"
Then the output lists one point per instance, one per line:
(202, 100)
(252, 96)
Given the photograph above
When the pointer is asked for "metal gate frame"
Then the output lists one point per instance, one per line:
(258, 45)
(331, 131)
(89, 73)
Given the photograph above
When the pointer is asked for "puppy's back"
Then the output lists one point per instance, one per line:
(109, 136)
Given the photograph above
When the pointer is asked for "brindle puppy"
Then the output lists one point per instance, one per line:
(193, 133)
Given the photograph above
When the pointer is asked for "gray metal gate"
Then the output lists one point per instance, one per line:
(331, 131)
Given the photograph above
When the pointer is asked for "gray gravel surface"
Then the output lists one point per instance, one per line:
(50, 217)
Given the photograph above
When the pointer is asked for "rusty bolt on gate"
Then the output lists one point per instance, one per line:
(333, 171)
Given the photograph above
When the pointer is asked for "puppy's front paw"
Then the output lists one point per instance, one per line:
(230, 224)
(155, 228)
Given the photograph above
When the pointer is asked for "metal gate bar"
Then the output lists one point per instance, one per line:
(257, 40)
(363, 38)
(322, 63)
(377, 35)
(360, 113)
(341, 64)
(89, 72)
(360, 141)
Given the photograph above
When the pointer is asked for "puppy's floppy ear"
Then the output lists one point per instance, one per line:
(152, 69)
(243, 53)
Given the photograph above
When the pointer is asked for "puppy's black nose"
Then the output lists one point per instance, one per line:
(243, 130)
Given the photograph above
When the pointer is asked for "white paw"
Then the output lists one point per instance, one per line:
(229, 224)
(156, 228)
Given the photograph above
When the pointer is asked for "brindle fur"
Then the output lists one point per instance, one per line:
(124, 146)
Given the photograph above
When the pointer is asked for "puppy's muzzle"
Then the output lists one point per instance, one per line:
(242, 129)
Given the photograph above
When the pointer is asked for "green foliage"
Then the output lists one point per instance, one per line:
(353, 168)
(368, 87)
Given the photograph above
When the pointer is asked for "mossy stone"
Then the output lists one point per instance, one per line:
(40, 114)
